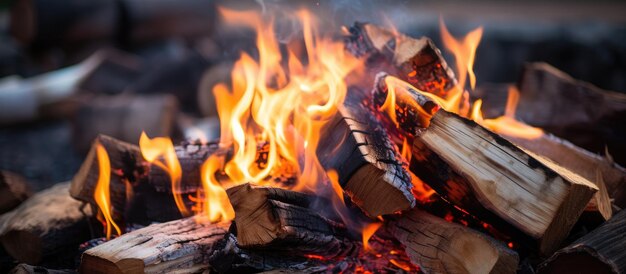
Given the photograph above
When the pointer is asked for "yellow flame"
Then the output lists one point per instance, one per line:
(156, 149)
(216, 205)
(102, 192)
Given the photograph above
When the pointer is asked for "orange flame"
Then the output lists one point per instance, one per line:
(217, 206)
(368, 232)
(102, 193)
(162, 147)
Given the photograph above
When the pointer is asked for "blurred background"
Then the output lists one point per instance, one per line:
(71, 69)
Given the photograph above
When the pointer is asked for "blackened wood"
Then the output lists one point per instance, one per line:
(417, 61)
(51, 222)
(177, 246)
(603, 250)
(124, 117)
(31, 269)
(438, 246)
(281, 220)
(580, 112)
(14, 189)
(370, 168)
(498, 182)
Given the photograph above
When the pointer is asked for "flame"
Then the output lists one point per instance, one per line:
(507, 124)
(400, 264)
(216, 205)
(102, 194)
(368, 232)
(162, 147)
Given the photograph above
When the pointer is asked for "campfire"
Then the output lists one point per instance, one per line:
(358, 149)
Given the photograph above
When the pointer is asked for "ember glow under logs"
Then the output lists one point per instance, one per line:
(333, 149)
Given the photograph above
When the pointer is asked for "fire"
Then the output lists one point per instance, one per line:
(102, 193)
(216, 206)
(156, 149)
(507, 124)
(368, 232)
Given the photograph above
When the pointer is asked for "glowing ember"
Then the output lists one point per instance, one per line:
(402, 265)
(102, 193)
(161, 147)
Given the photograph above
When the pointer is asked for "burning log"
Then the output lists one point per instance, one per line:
(124, 117)
(281, 220)
(368, 165)
(49, 223)
(573, 109)
(13, 190)
(124, 157)
(493, 179)
(438, 246)
(487, 175)
(417, 61)
(177, 246)
(603, 250)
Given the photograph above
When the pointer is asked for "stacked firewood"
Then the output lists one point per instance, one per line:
(502, 203)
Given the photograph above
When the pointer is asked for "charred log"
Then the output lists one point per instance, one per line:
(283, 221)
(417, 61)
(603, 250)
(438, 246)
(369, 167)
(49, 223)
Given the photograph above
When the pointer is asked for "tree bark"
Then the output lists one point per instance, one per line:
(177, 246)
(438, 246)
(49, 223)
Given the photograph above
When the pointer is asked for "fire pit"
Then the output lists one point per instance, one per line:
(314, 148)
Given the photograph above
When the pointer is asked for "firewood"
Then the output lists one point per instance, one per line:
(575, 110)
(417, 61)
(49, 223)
(370, 169)
(14, 190)
(124, 157)
(282, 220)
(31, 269)
(124, 117)
(177, 246)
(498, 182)
(603, 250)
(438, 246)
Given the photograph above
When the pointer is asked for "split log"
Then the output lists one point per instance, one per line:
(603, 250)
(14, 190)
(575, 110)
(496, 181)
(282, 220)
(51, 222)
(438, 246)
(370, 169)
(177, 246)
(124, 117)
(417, 61)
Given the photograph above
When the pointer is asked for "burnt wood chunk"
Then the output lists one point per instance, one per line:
(574, 110)
(179, 246)
(49, 223)
(498, 182)
(417, 61)
(438, 246)
(369, 167)
(603, 250)
(283, 221)
(14, 189)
